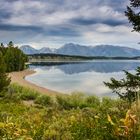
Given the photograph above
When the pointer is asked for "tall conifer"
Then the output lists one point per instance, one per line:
(4, 79)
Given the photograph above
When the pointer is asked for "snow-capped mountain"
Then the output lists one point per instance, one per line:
(27, 49)
(114, 51)
(100, 50)
(75, 49)
(81, 50)
(45, 50)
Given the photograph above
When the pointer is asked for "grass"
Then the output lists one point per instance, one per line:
(43, 100)
(23, 92)
(75, 117)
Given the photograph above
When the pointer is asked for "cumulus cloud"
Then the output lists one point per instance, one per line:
(49, 22)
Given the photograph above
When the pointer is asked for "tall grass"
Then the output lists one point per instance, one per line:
(70, 117)
(23, 92)
(43, 100)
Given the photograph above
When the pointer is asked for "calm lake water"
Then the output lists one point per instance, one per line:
(85, 77)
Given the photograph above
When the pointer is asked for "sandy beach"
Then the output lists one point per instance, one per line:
(18, 77)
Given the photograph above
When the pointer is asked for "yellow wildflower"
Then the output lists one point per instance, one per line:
(110, 120)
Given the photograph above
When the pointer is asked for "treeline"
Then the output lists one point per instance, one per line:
(13, 58)
(57, 57)
(76, 57)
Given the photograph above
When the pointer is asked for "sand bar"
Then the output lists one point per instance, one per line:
(18, 77)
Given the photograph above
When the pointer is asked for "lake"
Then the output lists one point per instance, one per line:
(85, 77)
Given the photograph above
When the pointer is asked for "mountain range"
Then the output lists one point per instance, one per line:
(81, 50)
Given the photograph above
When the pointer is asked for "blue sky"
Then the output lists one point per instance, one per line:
(52, 23)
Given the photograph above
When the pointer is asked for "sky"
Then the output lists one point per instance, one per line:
(53, 23)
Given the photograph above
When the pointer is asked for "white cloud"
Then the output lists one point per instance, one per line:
(54, 15)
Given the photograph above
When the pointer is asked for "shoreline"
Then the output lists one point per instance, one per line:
(19, 78)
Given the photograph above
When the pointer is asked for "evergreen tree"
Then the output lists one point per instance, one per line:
(10, 44)
(10, 59)
(15, 59)
(127, 88)
(133, 14)
(4, 80)
(2, 45)
(2, 49)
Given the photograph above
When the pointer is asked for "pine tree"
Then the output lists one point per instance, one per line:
(10, 44)
(4, 79)
(15, 59)
(2, 49)
(129, 88)
(133, 14)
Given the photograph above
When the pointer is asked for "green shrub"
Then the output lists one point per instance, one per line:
(17, 88)
(108, 102)
(43, 100)
(93, 101)
(2, 94)
(24, 93)
(29, 96)
(63, 102)
(76, 100)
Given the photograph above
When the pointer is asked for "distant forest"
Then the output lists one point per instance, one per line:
(60, 57)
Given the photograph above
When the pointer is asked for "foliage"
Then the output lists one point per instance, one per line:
(133, 14)
(23, 93)
(36, 58)
(12, 131)
(43, 100)
(27, 94)
(71, 102)
(4, 80)
(128, 88)
(14, 58)
(93, 101)
(70, 117)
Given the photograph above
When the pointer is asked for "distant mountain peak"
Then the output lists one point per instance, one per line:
(45, 50)
(27, 49)
(83, 50)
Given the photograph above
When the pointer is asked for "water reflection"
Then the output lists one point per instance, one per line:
(97, 66)
(84, 77)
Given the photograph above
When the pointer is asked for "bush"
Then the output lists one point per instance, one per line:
(43, 100)
(29, 96)
(93, 101)
(76, 100)
(63, 102)
(24, 93)
(2, 94)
